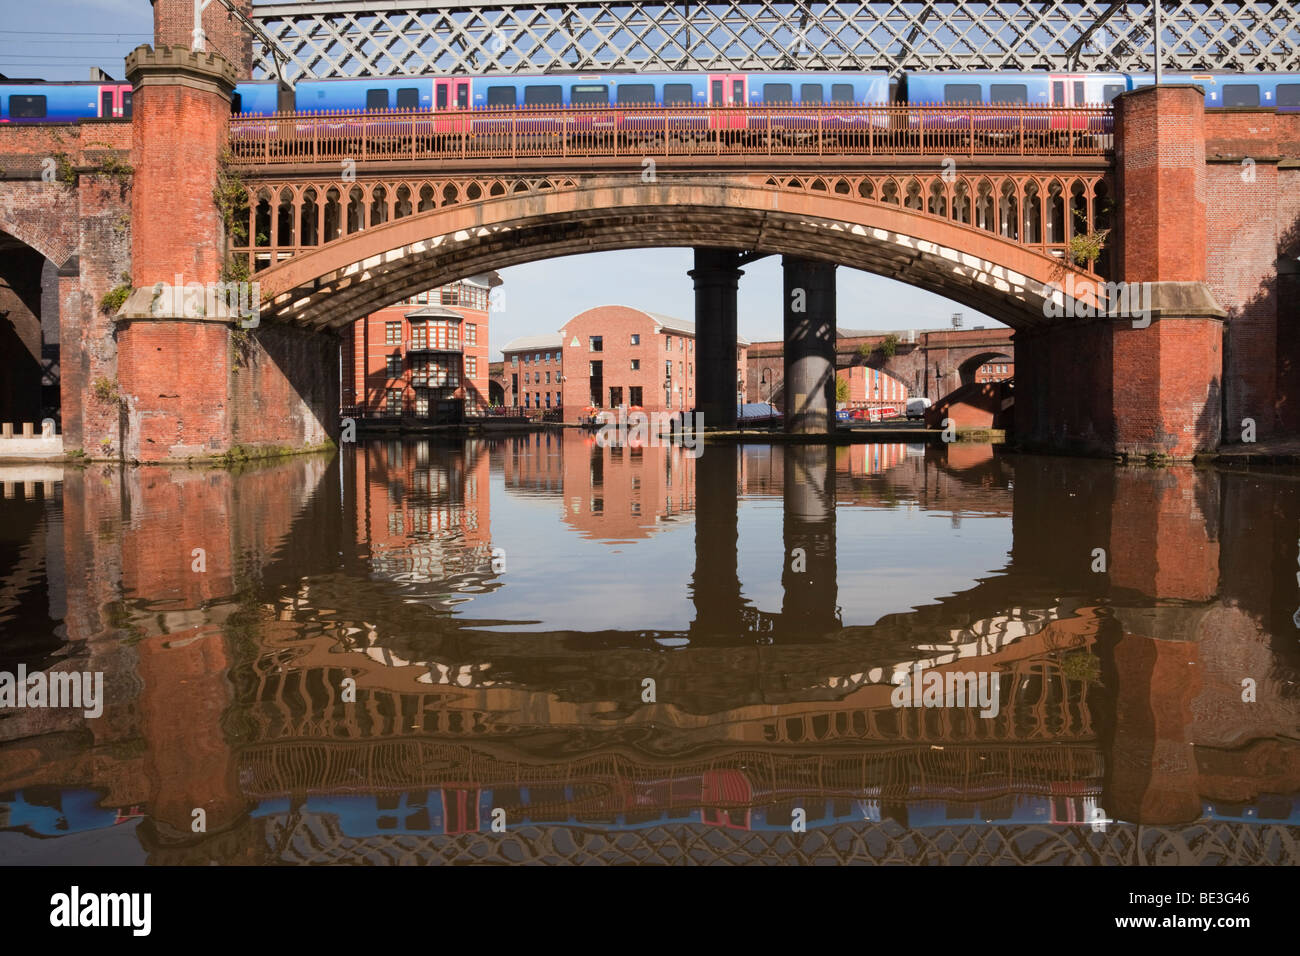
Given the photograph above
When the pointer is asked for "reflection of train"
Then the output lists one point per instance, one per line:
(60, 812)
(35, 101)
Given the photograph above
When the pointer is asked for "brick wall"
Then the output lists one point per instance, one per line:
(173, 25)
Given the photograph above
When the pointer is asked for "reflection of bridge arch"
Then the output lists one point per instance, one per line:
(340, 281)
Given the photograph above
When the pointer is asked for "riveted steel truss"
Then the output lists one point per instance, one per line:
(347, 38)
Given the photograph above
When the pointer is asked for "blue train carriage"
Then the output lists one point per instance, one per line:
(36, 101)
(1012, 89)
(1280, 91)
(823, 92)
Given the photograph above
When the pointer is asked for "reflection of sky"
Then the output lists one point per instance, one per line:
(889, 562)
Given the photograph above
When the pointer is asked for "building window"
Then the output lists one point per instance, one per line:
(514, 360)
(537, 357)
(668, 340)
(422, 401)
(471, 366)
(392, 333)
(471, 334)
(548, 378)
(636, 365)
(634, 394)
(393, 401)
(394, 366)
(636, 338)
(419, 335)
(681, 345)
(525, 378)
(450, 294)
(597, 343)
(668, 369)
(422, 298)
(557, 399)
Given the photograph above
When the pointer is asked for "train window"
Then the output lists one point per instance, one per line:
(636, 93)
(1288, 94)
(106, 104)
(1241, 94)
(1008, 93)
(678, 94)
(543, 95)
(738, 91)
(717, 92)
(462, 96)
(441, 102)
(376, 99)
(26, 107)
(1110, 91)
(589, 95)
(1058, 93)
(1078, 92)
(501, 96)
(962, 93)
(810, 93)
(126, 103)
(236, 103)
(408, 99)
(778, 93)
(842, 93)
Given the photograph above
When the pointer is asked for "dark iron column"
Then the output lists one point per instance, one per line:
(716, 278)
(809, 310)
(808, 578)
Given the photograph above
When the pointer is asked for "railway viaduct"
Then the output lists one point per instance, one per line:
(1202, 208)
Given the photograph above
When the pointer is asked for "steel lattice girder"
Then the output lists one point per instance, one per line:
(344, 38)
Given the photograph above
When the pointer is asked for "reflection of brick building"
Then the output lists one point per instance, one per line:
(407, 356)
(606, 357)
(422, 508)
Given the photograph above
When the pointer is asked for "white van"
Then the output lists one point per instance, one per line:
(916, 407)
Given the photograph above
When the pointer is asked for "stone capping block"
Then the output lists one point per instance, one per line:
(1184, 300)
(171, 65)
(139, 307)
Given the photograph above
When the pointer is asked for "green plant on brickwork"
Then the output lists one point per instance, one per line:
(231, 198)
(105, 390)
(1086, 246)
(841, 389)
(116, 297)
(241, 347)
(1081, 666)
(889, 345)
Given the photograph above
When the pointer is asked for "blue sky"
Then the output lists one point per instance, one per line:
(62, 39)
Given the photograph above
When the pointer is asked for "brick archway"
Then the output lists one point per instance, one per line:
(968, 367)
(341, 281)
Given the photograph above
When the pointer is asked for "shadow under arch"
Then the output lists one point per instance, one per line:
(339, 282)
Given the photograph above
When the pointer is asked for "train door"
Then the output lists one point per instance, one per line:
(728, 89)
(449, 96)
(115, 102)
(1068, 91)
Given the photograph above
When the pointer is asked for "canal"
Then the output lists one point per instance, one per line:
(536, 648)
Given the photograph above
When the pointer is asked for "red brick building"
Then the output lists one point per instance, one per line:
(870, 387)
(403, 359)
(606, 357)
(995, 370)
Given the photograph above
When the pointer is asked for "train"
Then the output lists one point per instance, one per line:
(36, 101)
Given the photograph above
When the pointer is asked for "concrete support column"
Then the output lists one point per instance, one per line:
(715, 583)
(717, 278)
(809, 604)
(809, 309)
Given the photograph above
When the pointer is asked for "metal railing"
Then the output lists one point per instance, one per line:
(678, 131)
